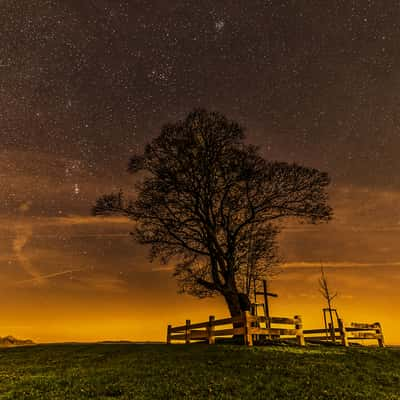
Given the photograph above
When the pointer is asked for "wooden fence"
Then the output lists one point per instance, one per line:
(246, 325)
(343, 334)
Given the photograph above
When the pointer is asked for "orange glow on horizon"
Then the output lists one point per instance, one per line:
(84, 279)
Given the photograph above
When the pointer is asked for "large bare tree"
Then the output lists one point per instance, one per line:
(210, 203)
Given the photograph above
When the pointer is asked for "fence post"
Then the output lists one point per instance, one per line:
(169, 334)
(248, 338)
(299, 330)
(378, 330)
(210, 330)
(343, 333)
(187, 332)
(332, 331)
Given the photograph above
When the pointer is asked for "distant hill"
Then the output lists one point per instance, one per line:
(12, 341)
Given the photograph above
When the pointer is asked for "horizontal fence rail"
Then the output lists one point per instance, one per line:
(362, 331)
(246, 325)
(250, 327)
(343, 334)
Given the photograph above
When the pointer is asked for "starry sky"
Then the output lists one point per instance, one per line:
(85, 84)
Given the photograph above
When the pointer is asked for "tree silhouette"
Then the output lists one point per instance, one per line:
(209, 202)
(327, 295)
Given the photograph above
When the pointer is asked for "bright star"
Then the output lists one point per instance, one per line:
(219, 25)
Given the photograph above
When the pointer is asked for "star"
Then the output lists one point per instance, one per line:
(219, 25)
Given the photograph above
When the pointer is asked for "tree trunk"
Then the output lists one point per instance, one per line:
(237, 303)
(233, 302)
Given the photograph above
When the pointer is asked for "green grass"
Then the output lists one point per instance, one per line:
(110, 371)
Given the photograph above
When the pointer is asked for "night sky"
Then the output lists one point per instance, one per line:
(85, 84)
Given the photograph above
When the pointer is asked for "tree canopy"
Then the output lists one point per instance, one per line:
(210, 203)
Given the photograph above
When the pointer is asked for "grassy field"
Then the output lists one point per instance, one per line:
(107, 371)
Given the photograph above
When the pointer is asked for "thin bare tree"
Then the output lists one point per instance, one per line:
(326, 293)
